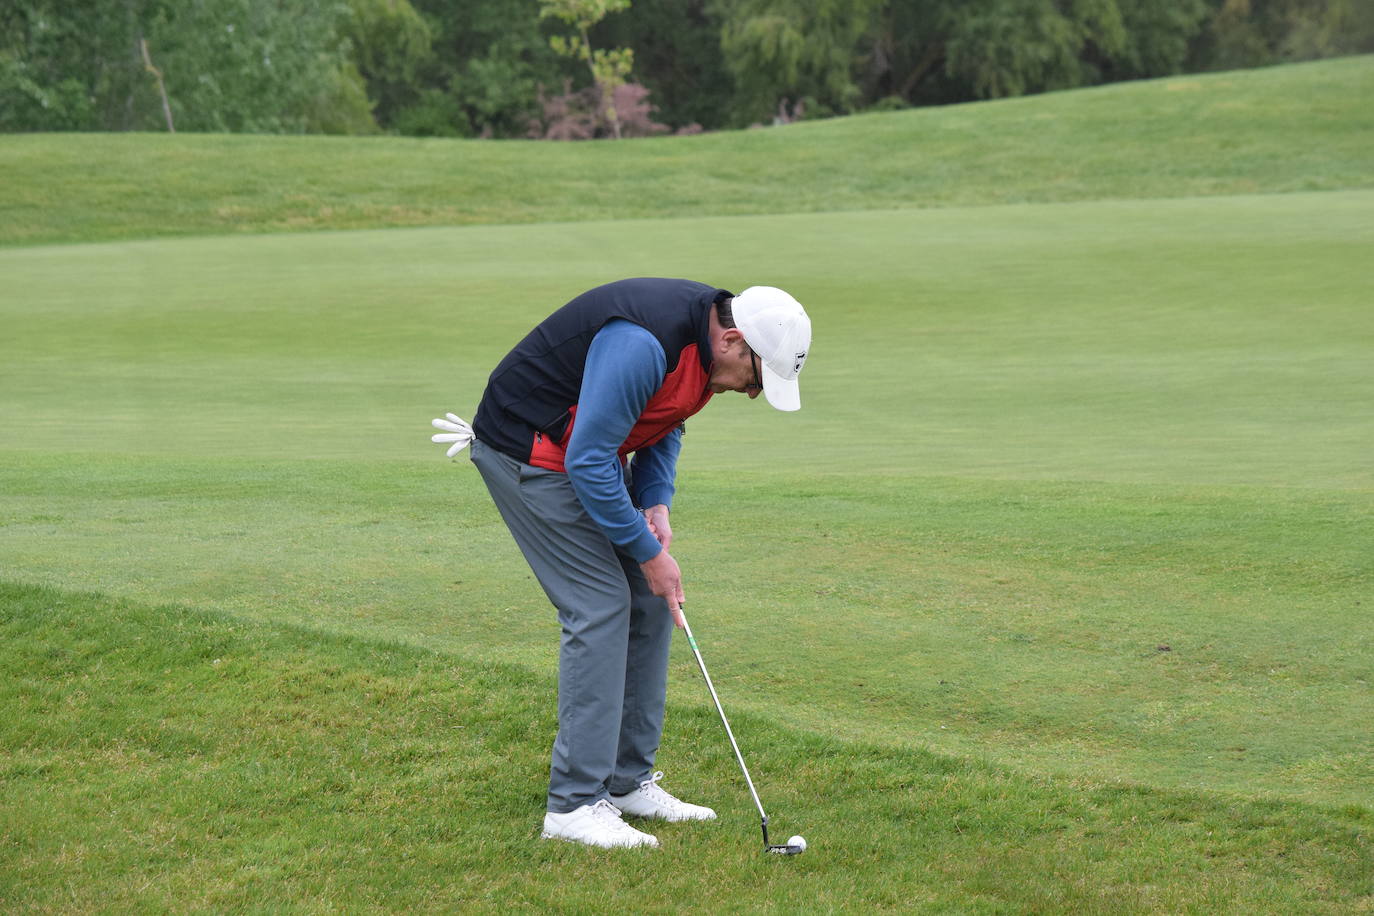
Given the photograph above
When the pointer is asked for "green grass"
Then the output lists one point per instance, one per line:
(162, 759)
(1299, 128)
(1053, 598)
(1220, 340)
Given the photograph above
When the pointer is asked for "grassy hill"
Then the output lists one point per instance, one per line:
(182, 761)
(1297, 128)
(1053, 598)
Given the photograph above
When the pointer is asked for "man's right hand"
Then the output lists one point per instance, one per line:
(665, 580)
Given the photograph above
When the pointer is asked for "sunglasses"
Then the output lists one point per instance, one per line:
(757, 384)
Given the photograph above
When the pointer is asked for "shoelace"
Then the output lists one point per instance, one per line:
(659, 795)
(608, 815)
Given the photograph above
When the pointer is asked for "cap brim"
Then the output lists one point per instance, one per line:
(782, 393)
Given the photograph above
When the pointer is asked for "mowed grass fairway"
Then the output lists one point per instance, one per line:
(1055, 597)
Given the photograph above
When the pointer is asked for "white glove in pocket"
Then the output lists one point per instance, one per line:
(455, 430)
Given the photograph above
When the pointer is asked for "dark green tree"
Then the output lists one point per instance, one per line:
(1253, 33)
(489, 59)
(69, 66)
(1158, 37)
(1011, 47)
(481, 67)
(390, 44)
(677, 58)
(841, 56)
(903, 55)
(228, 65)
(785, 52)
(257, 66)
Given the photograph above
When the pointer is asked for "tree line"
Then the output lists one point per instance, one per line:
(573, 69)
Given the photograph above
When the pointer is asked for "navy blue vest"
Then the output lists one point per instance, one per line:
(530, 403)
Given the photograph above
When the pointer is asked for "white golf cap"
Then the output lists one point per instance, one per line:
(777, 328)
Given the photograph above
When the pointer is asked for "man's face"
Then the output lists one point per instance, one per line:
(735, 367)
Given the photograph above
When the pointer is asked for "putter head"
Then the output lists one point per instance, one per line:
(785, 850)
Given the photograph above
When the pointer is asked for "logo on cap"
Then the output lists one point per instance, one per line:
(801, 358)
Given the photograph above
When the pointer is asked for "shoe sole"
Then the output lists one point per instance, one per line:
(568, 839)
(672, 820)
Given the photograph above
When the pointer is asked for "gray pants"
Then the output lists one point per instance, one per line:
(613, 660)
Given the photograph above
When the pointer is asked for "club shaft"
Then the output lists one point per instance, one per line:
(691, 641)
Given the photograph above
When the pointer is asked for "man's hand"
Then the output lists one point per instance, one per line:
(665, 580)
(657, 517)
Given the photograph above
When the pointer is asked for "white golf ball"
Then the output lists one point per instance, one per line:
(797, 841)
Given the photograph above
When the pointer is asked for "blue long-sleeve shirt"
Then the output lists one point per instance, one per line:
(625, 366)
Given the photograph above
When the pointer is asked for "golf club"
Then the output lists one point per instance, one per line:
(796, 844)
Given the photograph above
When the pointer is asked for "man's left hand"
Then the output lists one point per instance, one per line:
(657, 517)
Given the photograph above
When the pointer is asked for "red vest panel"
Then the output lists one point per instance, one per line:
(682, 394)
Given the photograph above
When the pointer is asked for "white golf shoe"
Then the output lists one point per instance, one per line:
(652, 800)
(595, 825)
